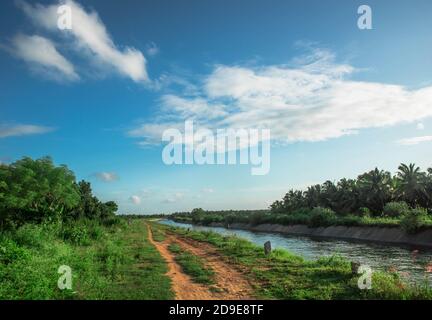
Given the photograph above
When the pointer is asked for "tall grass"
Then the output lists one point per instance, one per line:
(107, 262)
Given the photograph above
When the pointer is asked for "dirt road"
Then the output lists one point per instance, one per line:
(230, 284)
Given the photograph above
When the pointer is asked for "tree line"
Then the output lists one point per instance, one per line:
(369, 193)
(37, 190)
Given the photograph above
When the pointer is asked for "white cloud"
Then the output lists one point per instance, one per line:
(414, 140)
(135, 199)
(41, 54)
(207, 190)
(311, 100)
(152, 49)
(22, 130)
(420, 126)
(178, 196)
(106, 176)
(91, 37)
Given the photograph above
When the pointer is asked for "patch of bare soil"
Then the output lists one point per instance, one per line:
(230, 284)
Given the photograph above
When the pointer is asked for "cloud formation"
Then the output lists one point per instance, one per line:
(90, 38)
(135, 199)
(106, 176)
(178, 196)
(41, 54)
(312, 99)
(22, 130)
(414, 140)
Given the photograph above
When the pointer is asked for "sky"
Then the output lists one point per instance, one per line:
(338, 100)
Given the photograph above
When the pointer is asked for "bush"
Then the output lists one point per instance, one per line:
(395, 209)
(10, 251)
(76, 234)
(414, 220)
(364, 212)
(321, 217)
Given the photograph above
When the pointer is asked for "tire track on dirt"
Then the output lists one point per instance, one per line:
(182, 285)
(231, 282)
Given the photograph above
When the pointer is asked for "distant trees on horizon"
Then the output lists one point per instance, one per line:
(371, 191)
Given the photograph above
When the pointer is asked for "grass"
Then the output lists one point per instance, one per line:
(282, 275)
(107, 262)
(192, 265)
(158, 234)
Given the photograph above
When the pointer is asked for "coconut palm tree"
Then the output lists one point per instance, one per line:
(411, 184)
(347, 198)
(313, 196)
(375, 189)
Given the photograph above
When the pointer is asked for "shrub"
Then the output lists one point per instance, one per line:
(414, 220)
(10, 251)
(321, 217)
(364, 212)
(30, 235)
(76, 234)
(395, 209)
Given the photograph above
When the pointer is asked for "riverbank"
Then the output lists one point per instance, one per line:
(284, 275)
(394, 236)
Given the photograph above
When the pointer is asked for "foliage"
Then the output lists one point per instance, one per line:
(395, 209)
(372, 190)
(414, 220)
(322, 217)
(38, 191)
(34, 190)
(283, 275)
(110, 267)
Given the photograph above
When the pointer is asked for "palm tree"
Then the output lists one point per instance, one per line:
(329, 194)
(347, 198)
(313, 196)
(411, 184)
(375, 189)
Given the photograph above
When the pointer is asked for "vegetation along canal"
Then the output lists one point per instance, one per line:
(410, 262)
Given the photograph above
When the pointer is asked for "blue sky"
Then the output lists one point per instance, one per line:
(338, 100)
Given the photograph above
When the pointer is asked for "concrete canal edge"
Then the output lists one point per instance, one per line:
(394, 236)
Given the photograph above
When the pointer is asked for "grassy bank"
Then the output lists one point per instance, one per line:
(282, 275)
(192, 265)
(107, 262)
(413, 221)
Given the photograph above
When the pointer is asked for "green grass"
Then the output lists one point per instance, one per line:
(282, 275)
(158, 234)
(114, 262)
(192, 265)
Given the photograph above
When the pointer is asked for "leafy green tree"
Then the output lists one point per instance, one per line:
(197, 214)
(37, 189)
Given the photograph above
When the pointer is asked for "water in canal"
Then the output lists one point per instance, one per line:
(410, 262)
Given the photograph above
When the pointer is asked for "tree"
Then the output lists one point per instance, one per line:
(411, 184)
(277, 207)
(329, 195)
(36, 189)
(347, 197)
(293, 200)
(313, 196)
(375, 189)
(197, 214)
